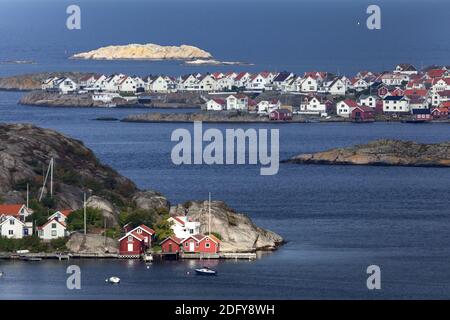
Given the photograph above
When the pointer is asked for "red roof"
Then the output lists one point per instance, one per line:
(178, 220)
(173, 238)
(50, 221)
(351, 103)
(443, 109)
(436, 73)
(220, 101)
(138, 236)
(364, 108)
(147, 229)
(10, 209)
(445, 104)
(66, 212)
(416, 92)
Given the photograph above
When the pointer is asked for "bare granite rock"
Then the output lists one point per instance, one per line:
(147, 51)
(149, 200)
(238, 232)
(108, 210)
(383, 152)
(91, 243)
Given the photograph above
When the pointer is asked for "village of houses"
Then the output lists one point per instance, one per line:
(134, 242)
(421, 95)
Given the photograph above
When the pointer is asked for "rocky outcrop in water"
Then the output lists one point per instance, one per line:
(197, 116)
(26, 151)
(238, 232)
(383, 152)
(148, 51)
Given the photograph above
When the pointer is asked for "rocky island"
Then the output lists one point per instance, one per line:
(148, 51)
(25, 151)
(382, 153)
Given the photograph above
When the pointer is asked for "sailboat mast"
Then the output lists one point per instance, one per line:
(84, 209)
(209, 214)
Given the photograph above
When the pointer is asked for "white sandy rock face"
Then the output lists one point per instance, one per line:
(145, 52)
(238, 232)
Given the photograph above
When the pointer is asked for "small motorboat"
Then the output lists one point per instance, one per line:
(113, 280)
(148, 258)
(1, 274)
(205, 271)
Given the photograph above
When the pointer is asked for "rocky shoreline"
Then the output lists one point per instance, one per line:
(26, 149)
(382, 153)
(218, 117)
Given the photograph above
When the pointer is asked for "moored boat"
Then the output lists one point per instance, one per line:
(205, 271)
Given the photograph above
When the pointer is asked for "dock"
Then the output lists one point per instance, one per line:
(220, 255)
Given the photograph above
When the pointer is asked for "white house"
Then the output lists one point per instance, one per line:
(260, 81)
(440, 97)
(52, 229)
(368, 101)
(183, 228)
(394, 79)
(266, 107)
(66, 85)
(207, 83)
(188, 83)
(441, 85)
(337, 87)
(49, 83)
(395, 104)
(242, 79)
(405, 68)
(11, 227)
(104, 97)
(127, 84)
(313, 105)
(20, 211)
(309, 84)
(344, 108)
(159, 84)
(61, 216)
(281, 80)
(359, 84)
(237, 102)
(216, 104)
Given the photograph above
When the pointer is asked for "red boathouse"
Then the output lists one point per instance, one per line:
(132, 244)
(171, 245)
(201, 244)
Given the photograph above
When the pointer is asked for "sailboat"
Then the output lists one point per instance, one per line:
(205, 271)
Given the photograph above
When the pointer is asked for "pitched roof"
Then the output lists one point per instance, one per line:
(351, 103)
(147, 229)
(50, 221)
(10, 209)
(173, 238)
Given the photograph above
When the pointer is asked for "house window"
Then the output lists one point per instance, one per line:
(10, 232)
(130, 238)
(139, 231)
(53, 226)
(207, 245)
(53, 233)
(11, 222)
(197, 244)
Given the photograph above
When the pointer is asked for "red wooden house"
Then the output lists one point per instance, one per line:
(201, 244)
(146, 232)
(132, 244)
(281, 115)
(363, 114)
(440, 113)
(171, 245)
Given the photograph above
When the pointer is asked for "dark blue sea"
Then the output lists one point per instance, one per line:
(337, 219)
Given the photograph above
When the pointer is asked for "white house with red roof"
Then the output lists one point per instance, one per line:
(266, 107)
(314, 105)
(61, 216)
(52, 229)
(359, 84)
(337, 87)
(309, 84)
(261, 81)
(440, 97)
(441, 85)
(344, 108)
(183, 227)
(207, 83)
(11, 227)
(19, 211)
(242, 79)
(216, 104)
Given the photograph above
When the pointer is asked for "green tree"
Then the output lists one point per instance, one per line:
(136, 217)
(75, 221)
(163, 228)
